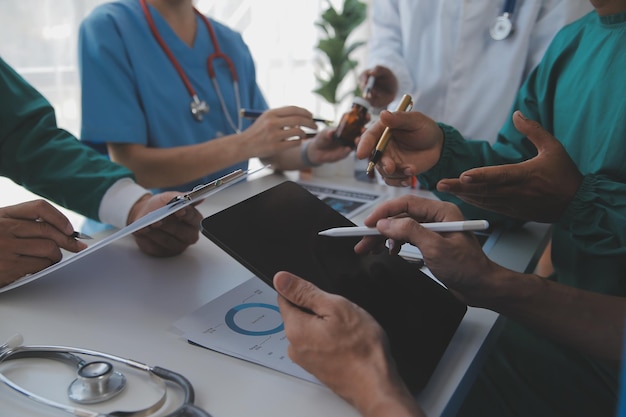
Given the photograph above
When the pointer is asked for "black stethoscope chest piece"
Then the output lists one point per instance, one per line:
(502, 27)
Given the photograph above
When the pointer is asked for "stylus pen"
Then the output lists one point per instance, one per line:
(405, 105)
(253, 114)
(460, 226)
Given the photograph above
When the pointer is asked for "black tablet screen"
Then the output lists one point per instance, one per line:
(278, 230)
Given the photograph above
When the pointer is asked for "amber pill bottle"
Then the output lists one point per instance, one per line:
(352, 123)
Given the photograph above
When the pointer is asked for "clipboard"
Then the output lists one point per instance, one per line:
(198, 193)
(278, 230)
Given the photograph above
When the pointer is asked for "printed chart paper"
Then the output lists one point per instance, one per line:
(244, 323)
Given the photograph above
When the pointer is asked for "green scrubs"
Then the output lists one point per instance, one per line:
(45, 159)
(578, 93)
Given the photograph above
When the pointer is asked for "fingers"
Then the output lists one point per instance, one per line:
(31, 237)
(289, 117)
(533, 131)
(418, 208)
(298, 291)
(39, 210)
(406, 212)
(172, 235)
(37, 219)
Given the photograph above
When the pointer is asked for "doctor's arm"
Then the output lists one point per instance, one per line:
(318, 150)
(538, 189)
(268, 136)
(589, 322)
(48, 161)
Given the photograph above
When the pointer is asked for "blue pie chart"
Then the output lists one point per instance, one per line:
(249, 319)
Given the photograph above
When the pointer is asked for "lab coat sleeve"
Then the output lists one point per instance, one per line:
(45, 159)
(385, 44)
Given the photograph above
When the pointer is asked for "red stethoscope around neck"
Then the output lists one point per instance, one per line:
(199, 107)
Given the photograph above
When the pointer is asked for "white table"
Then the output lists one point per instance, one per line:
(120, 301)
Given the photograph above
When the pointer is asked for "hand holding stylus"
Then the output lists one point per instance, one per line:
(441, 227)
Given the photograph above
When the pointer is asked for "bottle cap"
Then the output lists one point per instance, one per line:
(362, 102)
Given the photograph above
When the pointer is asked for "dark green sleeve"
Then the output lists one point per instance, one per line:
(45, 159)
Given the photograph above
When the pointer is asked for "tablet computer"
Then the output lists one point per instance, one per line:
(278, 230)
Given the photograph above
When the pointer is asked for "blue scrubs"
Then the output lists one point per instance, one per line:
(131, 92)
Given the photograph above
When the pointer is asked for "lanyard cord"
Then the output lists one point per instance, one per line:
(211, 69)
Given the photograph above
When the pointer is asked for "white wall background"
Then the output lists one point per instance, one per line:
(39, 39)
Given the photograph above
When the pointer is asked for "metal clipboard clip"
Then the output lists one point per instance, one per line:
(201, 190)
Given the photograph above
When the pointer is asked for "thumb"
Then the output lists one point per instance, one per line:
(403, 229)
(533, 131)
(297, 290)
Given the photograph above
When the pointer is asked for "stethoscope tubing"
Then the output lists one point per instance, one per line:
(217, 54)
(509, 7)
(67, 355)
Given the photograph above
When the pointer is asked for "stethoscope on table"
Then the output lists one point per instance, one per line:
(98, 381)
(199, 107)
(503, 26)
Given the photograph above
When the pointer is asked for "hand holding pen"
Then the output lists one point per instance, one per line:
(254, 114)
(405, 105)
(32, 235)
(413, 146)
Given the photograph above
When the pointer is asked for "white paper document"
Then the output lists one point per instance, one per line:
(198, 194)
(245, 323)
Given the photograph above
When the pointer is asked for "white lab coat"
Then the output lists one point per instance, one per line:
(442, 53)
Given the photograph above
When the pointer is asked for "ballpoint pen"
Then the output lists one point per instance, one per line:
(405, 105)
(79, 235)
(253, 114)
(441, 227)
(75, 234)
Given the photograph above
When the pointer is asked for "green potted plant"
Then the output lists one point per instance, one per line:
(337, 49)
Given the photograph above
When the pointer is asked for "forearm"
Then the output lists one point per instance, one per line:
(590, 322)
(398, 404)
(170, 167)
(287, 160)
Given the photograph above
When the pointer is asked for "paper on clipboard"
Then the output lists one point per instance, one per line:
(197, 194)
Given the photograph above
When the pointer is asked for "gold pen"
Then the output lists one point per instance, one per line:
(405, 105)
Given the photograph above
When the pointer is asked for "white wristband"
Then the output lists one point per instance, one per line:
(305, 155)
